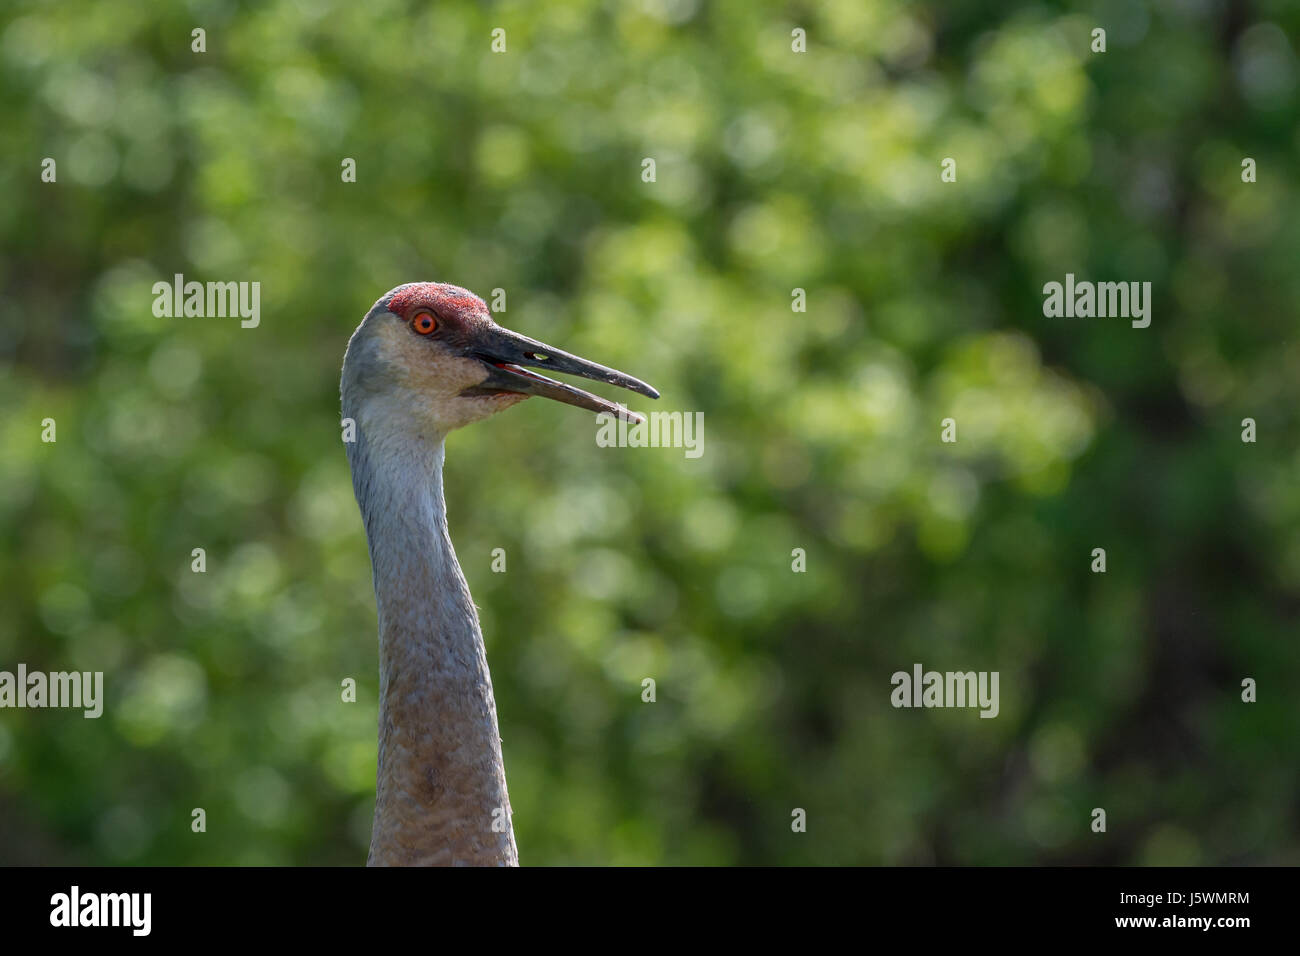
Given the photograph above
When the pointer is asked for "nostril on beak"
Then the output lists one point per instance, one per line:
(540, 356)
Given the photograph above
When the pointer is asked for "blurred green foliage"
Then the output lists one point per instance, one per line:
(775, 171)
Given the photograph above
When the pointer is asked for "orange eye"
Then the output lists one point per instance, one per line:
(424, 323)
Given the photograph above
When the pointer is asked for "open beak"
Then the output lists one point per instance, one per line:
(506, 354)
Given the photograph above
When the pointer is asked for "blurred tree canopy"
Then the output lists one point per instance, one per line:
(775, 171)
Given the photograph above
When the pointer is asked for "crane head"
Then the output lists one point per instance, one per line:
(434, 351)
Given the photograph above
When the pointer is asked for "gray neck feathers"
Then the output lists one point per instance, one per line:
(441, 790)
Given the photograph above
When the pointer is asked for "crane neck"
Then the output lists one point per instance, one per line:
(441, 787)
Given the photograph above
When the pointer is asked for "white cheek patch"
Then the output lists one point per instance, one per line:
(425, 383)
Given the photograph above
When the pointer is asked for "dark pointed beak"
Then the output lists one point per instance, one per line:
(508, 355)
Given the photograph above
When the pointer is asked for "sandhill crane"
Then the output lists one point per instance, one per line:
(425, 360)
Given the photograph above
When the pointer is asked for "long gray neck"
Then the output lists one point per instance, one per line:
(441, 791)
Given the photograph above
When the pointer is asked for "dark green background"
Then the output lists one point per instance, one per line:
(775, 170)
